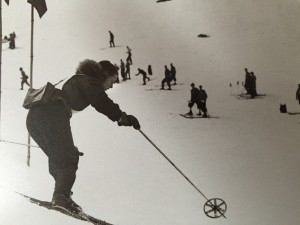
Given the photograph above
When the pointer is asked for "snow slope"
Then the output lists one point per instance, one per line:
(249, 156)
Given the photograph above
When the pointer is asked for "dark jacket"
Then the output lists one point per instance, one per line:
(202, 96)
(81, 91)
(298, 94)
(141, 72)
(194, 94)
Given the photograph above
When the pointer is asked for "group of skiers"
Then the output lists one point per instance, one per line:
(250, 83)
(198, 97)
(170, 75)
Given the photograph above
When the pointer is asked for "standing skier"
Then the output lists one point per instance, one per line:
(202, 96)
(150, 70)
(173, 74)
(298, 94)
(127, 71)
(12, 42)
(49, 124)
(247, 81)
(129, 57)
(167, 79)
(122, 67)
(24, 78)
(194, 99)
(112, 39)
(143, 72)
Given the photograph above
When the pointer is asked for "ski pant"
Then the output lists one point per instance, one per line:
(165, 80)
(202, 107)
(24, 82)
(145, 78)
(49, 126)
(191, 104)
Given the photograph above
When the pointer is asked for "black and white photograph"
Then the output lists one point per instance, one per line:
(143, 112)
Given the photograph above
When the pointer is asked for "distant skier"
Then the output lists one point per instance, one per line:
(118, 68)
(12, 42)
(167, 79)
(173, 74)
(49, 124)
(298, 94)
(194, 99)
(252, 89)
(24, 79)
(129, 57)
(143, 72)
(202, 97)
(112, 39)
(127, 71)
(122, 67)
(150, 70)
(247, 81)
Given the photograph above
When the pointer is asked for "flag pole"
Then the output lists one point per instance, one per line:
(0, 63)
(31, 77)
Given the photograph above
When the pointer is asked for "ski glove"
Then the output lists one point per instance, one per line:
(129, 120)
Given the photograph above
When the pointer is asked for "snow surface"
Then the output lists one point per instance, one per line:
(249, 157)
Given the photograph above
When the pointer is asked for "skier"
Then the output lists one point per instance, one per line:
(173, 74)
(167, 79)
(118, 68)
(144, 75)
(12, 43)
(49, 124)
(24, 79)
(127, 71)
(111, 41)
(129, 57)
(150, 70)
(122, 67)
(252, 89)
(247, 81)
(202, 96)
(298, 94)
(194, 99)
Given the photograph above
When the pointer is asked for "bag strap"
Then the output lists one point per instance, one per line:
(66, 78)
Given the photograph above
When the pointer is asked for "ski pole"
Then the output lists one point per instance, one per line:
(173, 164)
(212, 206)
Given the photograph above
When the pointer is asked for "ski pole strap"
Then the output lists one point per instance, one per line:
(173, 164)
(18, 143)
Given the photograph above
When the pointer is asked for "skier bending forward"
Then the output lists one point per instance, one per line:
(49, 124)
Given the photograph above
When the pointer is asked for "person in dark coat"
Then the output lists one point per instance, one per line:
(12, 43)
(143, 72)
(202, 96)
(127, 70)
(24, 79)
(118, 68)
(150, 70)
(49, 124)
(167, 79)
(298, 94)
(253, 91)
(194, 99)
(112, 39)
(129, 57)
(122, 67)
(247, 81)
(173, 74)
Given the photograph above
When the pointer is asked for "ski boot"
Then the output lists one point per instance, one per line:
(60, 201)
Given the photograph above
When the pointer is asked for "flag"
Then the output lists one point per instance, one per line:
(39, 5)
(7, 2)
